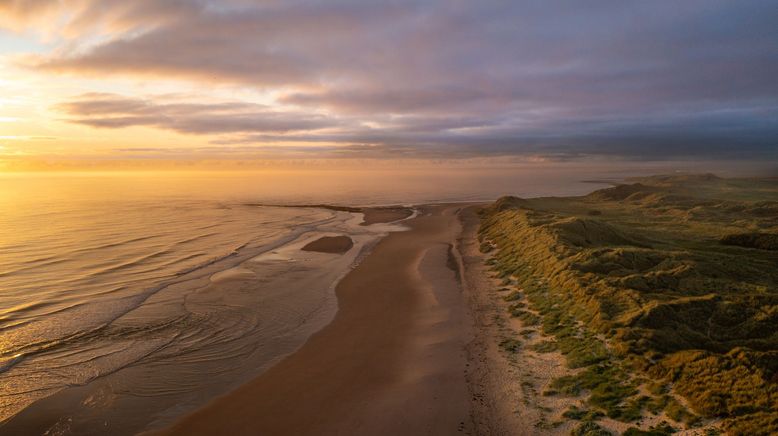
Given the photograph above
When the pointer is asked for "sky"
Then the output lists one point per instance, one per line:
(116, 83)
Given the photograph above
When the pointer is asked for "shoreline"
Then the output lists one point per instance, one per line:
(427, 336)
(314, 273)
(370, 214)
(355, 375)
(395, 357)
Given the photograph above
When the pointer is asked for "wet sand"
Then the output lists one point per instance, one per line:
(330, 244)
(237, 317)
(374, 215)
(391, 362)
(371, 215)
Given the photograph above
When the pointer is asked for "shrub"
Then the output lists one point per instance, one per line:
(510, 345)
(589, 428)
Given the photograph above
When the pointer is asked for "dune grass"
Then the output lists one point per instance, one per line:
(652, 287)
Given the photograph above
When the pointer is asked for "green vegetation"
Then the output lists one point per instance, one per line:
(677, 412)
(673, 279)
(762, 241)
(510, 345)
(662, 429)
(545, 347)
(581, 414)
(609, 391)
(589, 428)
(528, 318)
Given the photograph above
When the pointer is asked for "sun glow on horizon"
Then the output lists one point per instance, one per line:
(90, 85)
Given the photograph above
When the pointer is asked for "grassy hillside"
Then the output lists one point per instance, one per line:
(664, 292)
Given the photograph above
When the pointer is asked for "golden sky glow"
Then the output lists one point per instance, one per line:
(106, 84)
(35, 134)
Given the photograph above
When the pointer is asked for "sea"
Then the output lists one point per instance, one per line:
(129, 299)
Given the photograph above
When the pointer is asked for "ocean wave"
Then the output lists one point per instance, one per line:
(102, 303)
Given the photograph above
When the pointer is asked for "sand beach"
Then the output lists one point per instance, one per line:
(392, 361)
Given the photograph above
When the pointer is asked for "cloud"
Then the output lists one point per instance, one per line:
(607, 77)
(77, 19)
(116, 111)
(262, 45)
(233, 125)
